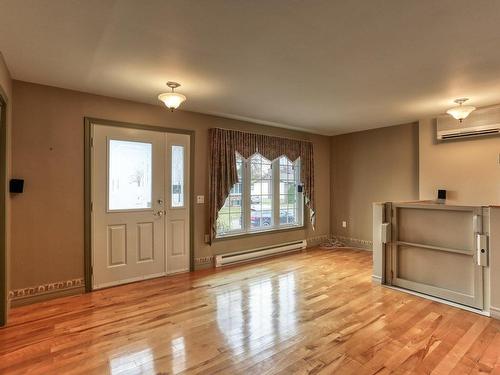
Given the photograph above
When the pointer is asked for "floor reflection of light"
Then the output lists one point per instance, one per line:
(178, 355)
(287, 316)
(140, 361)
(263, 314)
(230, 317)
(260, 309)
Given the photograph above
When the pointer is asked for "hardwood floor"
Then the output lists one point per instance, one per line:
(313, 312)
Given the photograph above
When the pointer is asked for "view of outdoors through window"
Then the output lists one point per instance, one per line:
(261, 192)
(288, 192)
(266, 197)
(231, 215)
(130, 178)
(177, 188)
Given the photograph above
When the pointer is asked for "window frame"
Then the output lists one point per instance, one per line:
(108, 176)
(247, 229)
(183, 186)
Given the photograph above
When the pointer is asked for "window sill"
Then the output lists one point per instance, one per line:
(234, 236)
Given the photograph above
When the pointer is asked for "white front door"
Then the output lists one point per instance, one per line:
(134, 217)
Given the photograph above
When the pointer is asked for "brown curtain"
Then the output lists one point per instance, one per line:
(223, 175)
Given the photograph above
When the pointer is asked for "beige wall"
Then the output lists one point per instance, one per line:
(371, 166)
(469, 169)
(47, 219)
(6, 91)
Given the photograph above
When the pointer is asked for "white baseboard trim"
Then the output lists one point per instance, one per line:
(495, 312)
(435, 299)
(376, 279)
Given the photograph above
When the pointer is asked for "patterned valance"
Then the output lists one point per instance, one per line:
(223, 175)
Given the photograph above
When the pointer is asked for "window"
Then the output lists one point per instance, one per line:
(289, 199)
(129, 175)
(177, 183)
(267, 197)
(261, 192)
(230, 218)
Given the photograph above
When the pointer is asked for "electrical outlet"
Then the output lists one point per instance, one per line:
(344, 224)
(207, 238)
(200, 199)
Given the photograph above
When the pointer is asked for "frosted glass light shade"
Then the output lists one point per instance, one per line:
(460, 112)
(172, 99)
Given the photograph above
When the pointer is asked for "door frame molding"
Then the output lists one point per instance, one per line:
(4, 303)
(88, 122)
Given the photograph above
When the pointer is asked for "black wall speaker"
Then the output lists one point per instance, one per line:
(16, 185)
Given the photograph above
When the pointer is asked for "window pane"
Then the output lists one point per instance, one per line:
(236, 189)
(255, 203)
(129, 175)
(283, 217)
(290, 198)
(177, 176)
(283, 172)
(223, 223)
(255, 219)
(266, 171)
(231, 214)
(266, 218)
(267, 202)
(256, 188)
(283, 188)
(261, 190)
(236, 221)
(235, 202)
(266, 187)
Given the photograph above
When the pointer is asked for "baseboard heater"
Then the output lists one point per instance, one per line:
(261, 252)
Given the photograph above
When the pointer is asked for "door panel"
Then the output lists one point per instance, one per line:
(117, 247)
(178, 200)
(419, 226)
(128, 191)
(433, 252)
(177, 238)
(145, 241)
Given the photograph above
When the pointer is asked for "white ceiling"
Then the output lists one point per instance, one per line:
(324, 66)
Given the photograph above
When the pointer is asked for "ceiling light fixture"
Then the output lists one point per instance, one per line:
(461, 111)
(172, 99)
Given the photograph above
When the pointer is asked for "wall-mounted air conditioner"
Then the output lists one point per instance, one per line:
(481, 122)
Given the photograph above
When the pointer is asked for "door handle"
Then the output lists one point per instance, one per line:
(160, 213)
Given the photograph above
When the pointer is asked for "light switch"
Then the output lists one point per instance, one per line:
(344, 224)
(200, 199)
